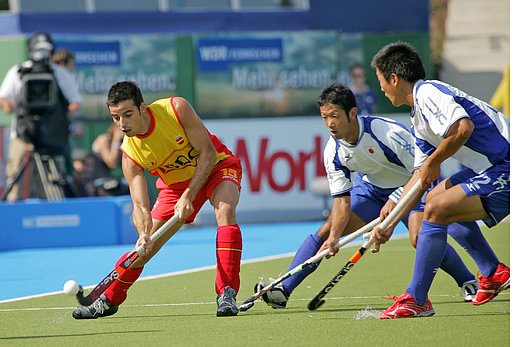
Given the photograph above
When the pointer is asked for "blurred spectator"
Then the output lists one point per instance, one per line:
(94, 171)
(500, 99)
(82, 172)
(106, 148)
(365, 96)
(438, 16)
(65, 58)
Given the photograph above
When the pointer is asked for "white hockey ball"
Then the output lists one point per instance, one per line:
(71, 287)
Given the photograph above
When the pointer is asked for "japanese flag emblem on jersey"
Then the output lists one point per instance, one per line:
(179, 139)
(371, 150)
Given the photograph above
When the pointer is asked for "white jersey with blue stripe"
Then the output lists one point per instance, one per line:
(384, 155)
(437, 106)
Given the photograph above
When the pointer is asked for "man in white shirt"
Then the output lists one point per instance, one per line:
(41, 47)
(448, 123)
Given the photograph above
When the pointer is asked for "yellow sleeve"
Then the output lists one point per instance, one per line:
(500, 98)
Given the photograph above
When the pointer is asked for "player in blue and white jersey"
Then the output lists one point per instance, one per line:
(447, 123)
(367, 160)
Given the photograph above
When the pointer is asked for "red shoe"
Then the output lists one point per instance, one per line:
(405, 306)
(489, 287)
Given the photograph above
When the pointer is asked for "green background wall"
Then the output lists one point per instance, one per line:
(13, 51)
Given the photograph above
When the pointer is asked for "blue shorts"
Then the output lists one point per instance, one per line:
(493, 188)
(367, 200)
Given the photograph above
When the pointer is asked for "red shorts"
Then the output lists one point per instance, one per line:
(229, 169)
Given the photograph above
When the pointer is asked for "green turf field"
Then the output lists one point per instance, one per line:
(180, 310)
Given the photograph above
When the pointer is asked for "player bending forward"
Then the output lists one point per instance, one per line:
(381, 151)
(168, 139)
(448, 123)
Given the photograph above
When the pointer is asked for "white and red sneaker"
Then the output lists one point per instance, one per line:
(489, 287)
(405, 306)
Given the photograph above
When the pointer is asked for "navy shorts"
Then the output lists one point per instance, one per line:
(493, 188)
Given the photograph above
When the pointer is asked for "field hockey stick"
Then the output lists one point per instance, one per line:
(246, 305)
(122, 267)
(318, 301)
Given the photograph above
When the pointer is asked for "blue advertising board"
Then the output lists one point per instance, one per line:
(66, 223)
(90, 52)
(217, 54)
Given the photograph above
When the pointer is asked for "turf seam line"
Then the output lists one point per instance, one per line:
(213, 303)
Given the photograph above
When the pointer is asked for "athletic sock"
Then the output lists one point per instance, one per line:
(229, 253)
(308, 248)
(116, 293)
(431, 246)
(470, 237)
(453, 265)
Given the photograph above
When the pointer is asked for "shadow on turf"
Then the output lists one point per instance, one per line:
(167, 315)
(285, 311)
(324, 309)
(469, 303)
(242, 314)
(79, 335)
(476, 314)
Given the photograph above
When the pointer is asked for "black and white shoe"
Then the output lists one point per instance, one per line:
(227, 303)
(469, 290)
(99, 308)
(276, 297)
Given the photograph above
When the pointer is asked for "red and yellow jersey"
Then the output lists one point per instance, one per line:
(165, 150)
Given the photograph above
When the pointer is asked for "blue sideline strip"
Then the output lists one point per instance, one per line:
(39, 271)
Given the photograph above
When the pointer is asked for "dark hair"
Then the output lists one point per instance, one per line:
(126, 90)
(338, 94)
(400, 58)
(63, 56)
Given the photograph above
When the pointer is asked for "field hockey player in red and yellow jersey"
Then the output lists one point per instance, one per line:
(168, 139)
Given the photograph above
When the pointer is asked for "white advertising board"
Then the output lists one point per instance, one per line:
(280, 159)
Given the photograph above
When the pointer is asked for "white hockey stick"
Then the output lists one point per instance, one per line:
(317, 301)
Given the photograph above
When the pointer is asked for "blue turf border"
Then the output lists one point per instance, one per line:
(39, 271)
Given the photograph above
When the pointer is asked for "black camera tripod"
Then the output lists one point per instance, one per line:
(52, 182)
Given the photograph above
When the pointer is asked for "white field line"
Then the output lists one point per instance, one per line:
(151, 277)
(183, 272)
(185, 304)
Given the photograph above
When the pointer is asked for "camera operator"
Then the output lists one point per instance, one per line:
(42, 107)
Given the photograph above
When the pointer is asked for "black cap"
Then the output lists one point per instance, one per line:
(41, 46)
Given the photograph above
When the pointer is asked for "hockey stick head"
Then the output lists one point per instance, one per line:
(83, 300)
(246, 305)
(314, 305)
(260, 290)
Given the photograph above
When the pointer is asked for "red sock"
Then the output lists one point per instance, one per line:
(116, 293)
(229, 252)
